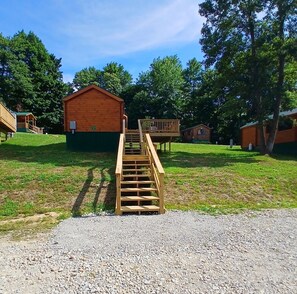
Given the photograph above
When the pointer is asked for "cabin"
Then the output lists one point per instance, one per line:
(7, 120)
(286, 137)
(93, 120)
(26, 122)
(196, 134)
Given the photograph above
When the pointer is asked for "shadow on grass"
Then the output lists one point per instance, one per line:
(211, 159)
(104, 196)
(103, 192)
(55, 154)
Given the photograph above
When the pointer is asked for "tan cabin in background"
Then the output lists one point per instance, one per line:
(197, 134)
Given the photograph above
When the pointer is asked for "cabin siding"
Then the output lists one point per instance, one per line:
(94, 112)
(99, 117)
(249, 135)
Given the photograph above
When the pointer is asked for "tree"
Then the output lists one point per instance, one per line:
(86, 77)
(114, 78)
(161, 88)
(283, 17)
(240, 40)
(31, 79)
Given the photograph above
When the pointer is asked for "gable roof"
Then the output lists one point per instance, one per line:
(205, 126)
(25, 113)
(91, 87)
(282, 113)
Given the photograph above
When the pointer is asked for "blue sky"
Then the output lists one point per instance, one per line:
(94, 32)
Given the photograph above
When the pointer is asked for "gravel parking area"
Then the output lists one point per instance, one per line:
(178, 252)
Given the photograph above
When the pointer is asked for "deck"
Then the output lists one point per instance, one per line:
(161, 131)
(7, 120)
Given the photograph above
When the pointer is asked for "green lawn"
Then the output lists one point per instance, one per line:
(220, 179)
(39, 177)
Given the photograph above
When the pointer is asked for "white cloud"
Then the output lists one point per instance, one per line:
(111, 28)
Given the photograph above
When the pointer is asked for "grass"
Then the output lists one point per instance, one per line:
(218, 179)
(39, 177)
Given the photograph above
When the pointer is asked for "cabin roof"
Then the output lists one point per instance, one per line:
(282, 113)
(88, 88)
(194, 127)
(24, 113)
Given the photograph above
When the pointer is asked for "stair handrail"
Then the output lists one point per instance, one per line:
(157, 170)
(119, 172)
(141, 136)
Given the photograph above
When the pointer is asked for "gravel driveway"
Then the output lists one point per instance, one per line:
(178, 252)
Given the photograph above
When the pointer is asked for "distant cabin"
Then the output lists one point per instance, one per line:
(26, 122)
(197, 134)
(93, 120)
(286, 136)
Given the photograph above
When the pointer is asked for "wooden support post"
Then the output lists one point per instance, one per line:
(161, 195)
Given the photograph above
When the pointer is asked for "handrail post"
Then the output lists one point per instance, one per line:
(119, 172)
(161, 194)
(158, 171)
(141, 136)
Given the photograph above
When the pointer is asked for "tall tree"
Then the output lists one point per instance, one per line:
(283, 17)
(31, 79)
(114, 78)
(239, 40)
(162, 86)
(86, 77)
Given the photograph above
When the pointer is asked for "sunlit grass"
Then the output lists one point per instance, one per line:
(40, 177)
(216, 178)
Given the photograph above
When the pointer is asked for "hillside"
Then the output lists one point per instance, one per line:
(41, 182)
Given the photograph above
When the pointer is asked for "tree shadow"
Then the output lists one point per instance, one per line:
(55, 154)
(192, 160)
(104, 194)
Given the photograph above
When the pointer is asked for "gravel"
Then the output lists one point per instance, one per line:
(178, 252)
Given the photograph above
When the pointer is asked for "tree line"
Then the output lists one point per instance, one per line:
(249, 71)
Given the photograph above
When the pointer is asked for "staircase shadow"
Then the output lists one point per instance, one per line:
(101, 195)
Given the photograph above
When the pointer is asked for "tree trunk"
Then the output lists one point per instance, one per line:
(280, 79)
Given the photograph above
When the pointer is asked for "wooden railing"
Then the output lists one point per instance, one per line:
(29, 126)
(156, 169)
(35, 129)
(119, 173)
(160, 126)
(7, 119)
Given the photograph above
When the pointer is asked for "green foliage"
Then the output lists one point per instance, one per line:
(86, 77)
(159, 91)
(113, 78)
(249, 44)
(31, 80)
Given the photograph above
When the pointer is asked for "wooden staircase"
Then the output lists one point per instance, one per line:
(139, 183)
(132, 142)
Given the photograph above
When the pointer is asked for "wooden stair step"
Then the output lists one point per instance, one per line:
(136, 198)
(135, 157)
(137, 182)
(136, 164)
(137, 208)
(133, 169)
(136, 176)
(144, 189)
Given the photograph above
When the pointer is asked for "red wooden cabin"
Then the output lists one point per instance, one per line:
(93, 119)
